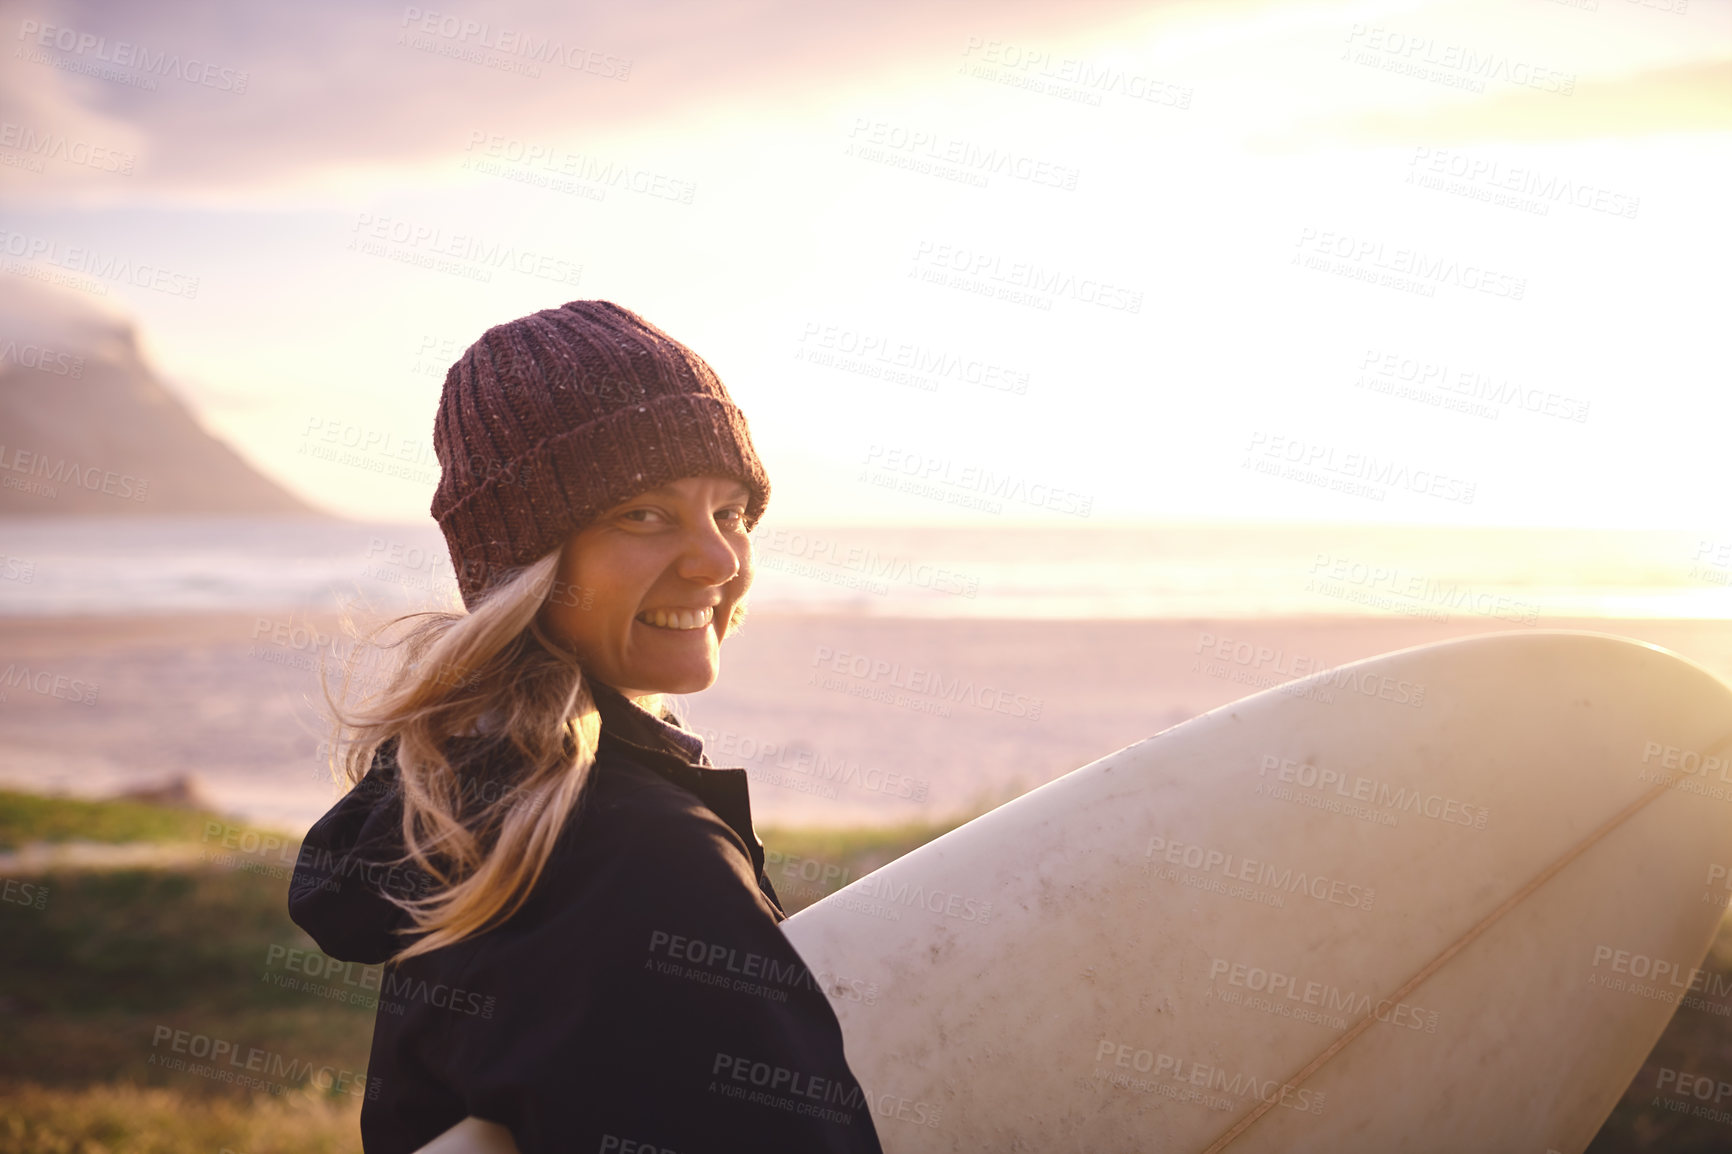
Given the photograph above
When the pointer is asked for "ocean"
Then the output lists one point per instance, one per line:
(1143, 572)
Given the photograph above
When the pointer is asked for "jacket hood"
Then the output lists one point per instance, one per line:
(349, 862)
(352, 861)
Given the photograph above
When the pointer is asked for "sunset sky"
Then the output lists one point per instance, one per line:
(1463, 261)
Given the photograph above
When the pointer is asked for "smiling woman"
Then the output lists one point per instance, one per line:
(582, 945)
(664, 578)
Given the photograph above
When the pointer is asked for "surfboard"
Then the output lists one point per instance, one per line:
(1444, 899)
(1440, 900)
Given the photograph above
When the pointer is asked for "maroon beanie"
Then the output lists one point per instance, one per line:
(550, 420)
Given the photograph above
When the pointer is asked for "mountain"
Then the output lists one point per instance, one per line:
(87, 429)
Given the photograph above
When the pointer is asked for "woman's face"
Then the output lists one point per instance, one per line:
(646, 593)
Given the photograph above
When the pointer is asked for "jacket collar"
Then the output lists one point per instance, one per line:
(629, 720)
(678, 755)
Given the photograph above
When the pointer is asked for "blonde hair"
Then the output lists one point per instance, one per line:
(494, 672)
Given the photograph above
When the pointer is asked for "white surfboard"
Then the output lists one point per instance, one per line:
(1440, 900)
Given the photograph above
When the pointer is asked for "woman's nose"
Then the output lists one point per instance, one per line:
(709, 556)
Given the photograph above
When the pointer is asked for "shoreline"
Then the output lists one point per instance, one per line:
(835, 718)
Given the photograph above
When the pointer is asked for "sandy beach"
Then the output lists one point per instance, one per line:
(840, 720)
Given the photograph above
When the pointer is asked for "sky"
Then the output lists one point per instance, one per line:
(1410, 262)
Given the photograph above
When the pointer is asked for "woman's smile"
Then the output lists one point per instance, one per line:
(678, 620)
(662, 575)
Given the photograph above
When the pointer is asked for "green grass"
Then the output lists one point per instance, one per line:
(135, 1120)
(806, 865)
(89, 982)
(113, 958)
(115, 955)
(26, 817)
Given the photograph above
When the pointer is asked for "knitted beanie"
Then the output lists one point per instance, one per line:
(550, 420)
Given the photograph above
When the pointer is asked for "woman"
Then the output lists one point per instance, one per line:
(582, 944)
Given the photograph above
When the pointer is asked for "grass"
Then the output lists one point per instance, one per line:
(27, 817)
(100, 978)
(137, 1120)
(114, 957)
(807, 865)
(94, 983)
(95, 975)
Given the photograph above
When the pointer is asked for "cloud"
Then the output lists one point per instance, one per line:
(1691, 98)
(215, 95)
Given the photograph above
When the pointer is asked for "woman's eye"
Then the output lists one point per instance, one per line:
(731, 516)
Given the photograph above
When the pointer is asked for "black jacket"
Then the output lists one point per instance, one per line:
(643, 994)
